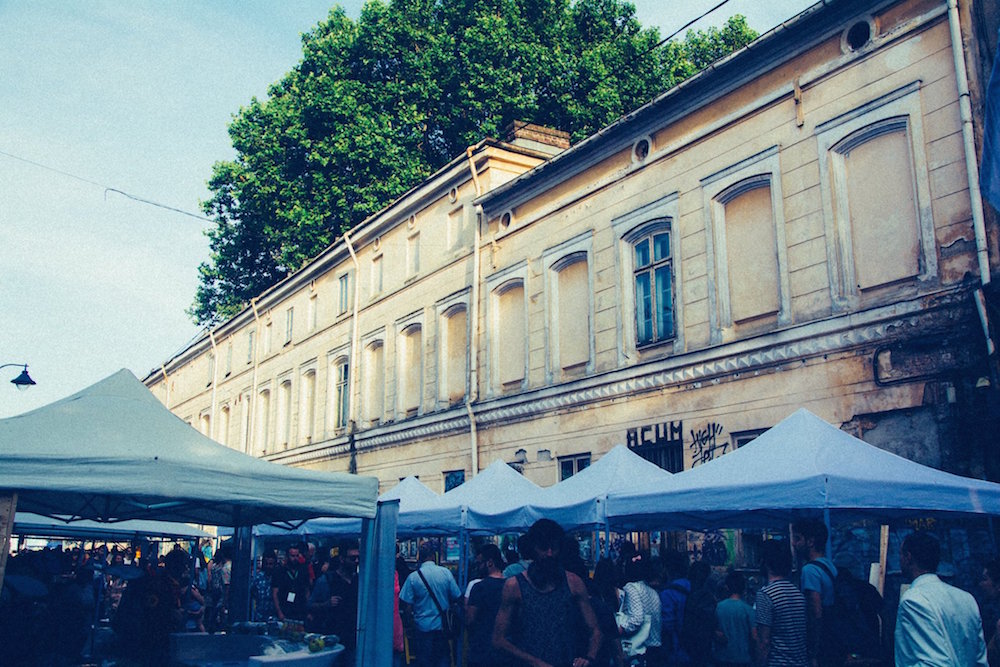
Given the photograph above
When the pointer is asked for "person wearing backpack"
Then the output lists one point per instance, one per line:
(699, 625)
(817, 577)
(673, 599)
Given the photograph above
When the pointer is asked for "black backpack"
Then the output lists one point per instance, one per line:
(698, 624)
(851, 624)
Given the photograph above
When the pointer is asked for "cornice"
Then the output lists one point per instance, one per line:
(926, 315)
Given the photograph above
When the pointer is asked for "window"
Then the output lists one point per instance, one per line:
(229, 358)
(307, 406)
(311, 317)
(263, 421)
(210, 377)
(374, 374)
(413, 255)
(223, 435)
(747, 251)
(376, 275)
(289, 322)
(570, 465)
(344, 301)
(453, 478)
(454, 354)
(205, 425)
(457, 227)
(341, 395)
(653, 277)
(875, 187)
(267, 337)
(741, 438)
(250, 347)
(244, 400)
(284, 413)
(410, 367)
(510, 334)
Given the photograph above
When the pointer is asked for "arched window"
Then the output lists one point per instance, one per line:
(510, 334)
(652, 274)
(284, 413)
(455, 353)
(374, 381)
(410, 383)
(572, 322)
(307, 405)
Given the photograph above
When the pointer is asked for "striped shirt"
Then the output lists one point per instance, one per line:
(782, 607)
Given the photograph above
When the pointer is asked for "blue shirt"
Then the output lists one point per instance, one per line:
(425, 612)
(815, 578)
(938, 625)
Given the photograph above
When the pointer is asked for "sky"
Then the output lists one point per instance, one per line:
(109, 96)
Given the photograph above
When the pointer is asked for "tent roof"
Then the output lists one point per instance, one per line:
(499, 498)
(112, 452)
(421, 512)
(26, 523)
(800, 465)
(578, 501)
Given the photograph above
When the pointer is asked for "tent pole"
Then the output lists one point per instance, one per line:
(883, 553)
(239, 586)
(8, 505)
(375, 595)
(829, 532)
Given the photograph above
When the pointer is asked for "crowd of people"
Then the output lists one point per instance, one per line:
(538, 606)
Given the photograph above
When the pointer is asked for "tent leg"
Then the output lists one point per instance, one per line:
(8, 505)
(239, 587)
(829, 532)
(375, 595)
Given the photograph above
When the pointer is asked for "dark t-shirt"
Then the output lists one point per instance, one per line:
(292, 580)
(485, 597)
(341, 620)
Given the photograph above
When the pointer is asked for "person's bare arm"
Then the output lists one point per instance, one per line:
(763, 643)
(509, 602)
(579, 591)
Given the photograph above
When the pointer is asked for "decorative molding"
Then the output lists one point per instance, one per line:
(923, 316)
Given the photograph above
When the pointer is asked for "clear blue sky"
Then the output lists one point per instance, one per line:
(136, 95)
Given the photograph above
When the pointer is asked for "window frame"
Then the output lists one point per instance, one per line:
(850, 129)
(444, 310)
(658, 214)
(496, 285)
(722, 187)
(555, 259)
(575, 460)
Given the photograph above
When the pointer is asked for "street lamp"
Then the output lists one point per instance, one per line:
(23, 380)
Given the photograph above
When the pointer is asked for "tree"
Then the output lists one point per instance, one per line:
(376, 106)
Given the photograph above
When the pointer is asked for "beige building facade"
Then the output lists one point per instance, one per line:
(797, 226)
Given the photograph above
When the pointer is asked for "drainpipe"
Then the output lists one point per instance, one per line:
(355, 361)
(968, 138)
(215, 382)
(971, 169)
(473, 393)
(252, 400)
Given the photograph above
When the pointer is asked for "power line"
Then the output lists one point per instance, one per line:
(106, 188)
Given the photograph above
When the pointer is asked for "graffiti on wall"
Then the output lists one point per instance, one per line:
(706, 444)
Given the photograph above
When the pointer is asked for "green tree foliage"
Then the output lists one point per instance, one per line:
(376, 106)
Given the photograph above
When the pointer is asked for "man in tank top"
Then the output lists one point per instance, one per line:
(545, 617)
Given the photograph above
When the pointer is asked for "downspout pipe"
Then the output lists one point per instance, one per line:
(968, 139)
(252, 400)
(355, 342)
(473, 391)
(215, 383)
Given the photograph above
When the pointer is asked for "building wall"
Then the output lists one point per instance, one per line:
(822, 255)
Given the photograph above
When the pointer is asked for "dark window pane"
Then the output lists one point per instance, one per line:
(582, 463)
(643, 308)
(642, 253)
(664, 303)
(566, 469)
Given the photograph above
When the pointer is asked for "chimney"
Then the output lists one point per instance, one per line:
(536, 137)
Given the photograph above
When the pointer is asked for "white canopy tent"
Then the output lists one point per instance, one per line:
(801, 465)
(499, 499)
(421, 512)
(113, 452)
(26, 523)
(579, 502)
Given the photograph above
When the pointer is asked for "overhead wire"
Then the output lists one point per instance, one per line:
(106, 188)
